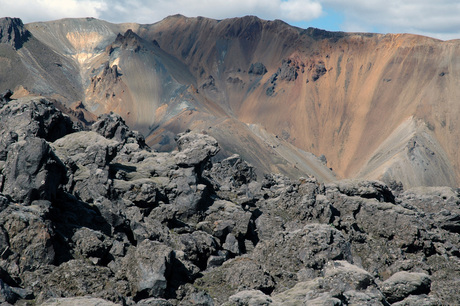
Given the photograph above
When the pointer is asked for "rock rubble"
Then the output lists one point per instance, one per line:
(95, 217)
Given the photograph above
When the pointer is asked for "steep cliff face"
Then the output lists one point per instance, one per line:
(341, 95)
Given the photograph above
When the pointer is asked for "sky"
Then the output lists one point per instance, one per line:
(434, 18)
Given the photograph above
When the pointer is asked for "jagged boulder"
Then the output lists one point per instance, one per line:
(341, 284)
(28, 235)
(87, 156)
(236, 275)
(195, 149)
(287, 205)
(36, 117)
(147, 268)
(301, 254)
(231, 173)
(76, 278)
(229, 223)
(91, 244)
(112, 126)
(198, 247)
(32, 171)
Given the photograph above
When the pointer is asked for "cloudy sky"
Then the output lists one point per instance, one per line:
(435, 18)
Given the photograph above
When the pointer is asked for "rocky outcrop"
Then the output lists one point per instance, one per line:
(12, 32)
(257, 69)
(97, 217)
(402, 284)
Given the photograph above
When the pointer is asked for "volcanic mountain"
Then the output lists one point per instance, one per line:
(365, 105)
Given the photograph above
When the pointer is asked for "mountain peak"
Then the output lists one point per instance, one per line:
(12, 32)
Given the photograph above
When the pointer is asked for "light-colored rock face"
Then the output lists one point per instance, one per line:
(362, 100)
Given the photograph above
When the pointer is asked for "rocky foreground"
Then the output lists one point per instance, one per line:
(95, 218)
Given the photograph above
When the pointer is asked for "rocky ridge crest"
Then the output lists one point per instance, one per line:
(96, 217)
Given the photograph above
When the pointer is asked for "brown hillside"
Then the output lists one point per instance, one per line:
(247, 81)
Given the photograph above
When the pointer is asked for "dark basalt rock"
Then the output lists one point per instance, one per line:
(98, 217)
(112, 126)
(320, 70)
(12, 32)
(32, 171)
(257, 69)
(402, 284)
(288, 71)
(5, 97)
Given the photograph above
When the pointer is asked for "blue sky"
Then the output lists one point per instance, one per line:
(439, 19)
(330, 20)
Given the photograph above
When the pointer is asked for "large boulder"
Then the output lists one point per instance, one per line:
(229, 223)
(236, 275)
(147, 268)
(402, 284)
(32, 171)
(195, 149)
(341, 284)
(87, 156)
(231, 176)
(36, 117)
(301, 254)
(76, 278)
(112, 126)
(29, 237)
(90, 244)
(249, 297)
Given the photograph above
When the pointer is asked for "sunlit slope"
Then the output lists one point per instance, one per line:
(412, 155)
(251, 82)
(336, 94)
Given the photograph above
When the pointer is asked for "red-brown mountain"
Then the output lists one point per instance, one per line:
(376, 106)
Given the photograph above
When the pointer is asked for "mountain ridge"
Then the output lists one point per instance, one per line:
(330, 93)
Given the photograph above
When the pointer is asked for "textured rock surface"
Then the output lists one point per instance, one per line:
(402, 284)
(102, 220)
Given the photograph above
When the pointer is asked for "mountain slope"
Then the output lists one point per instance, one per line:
(341, 95)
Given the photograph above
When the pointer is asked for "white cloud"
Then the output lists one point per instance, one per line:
(150, 11)
(42, 10)
(426, 17)
(298, 10)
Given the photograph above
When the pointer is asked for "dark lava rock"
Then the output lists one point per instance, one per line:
(195, 149)
(257, 69)
(5, 97)
(288, 71)
(77, 278)
(402, 284)
(147, 269)
(12, 32)
(6, 294)
(236, 275)
(112, 126)
(32, 171)
(97, 217)
(302, 253)
(36, 117)
(319, 71)
(28, 236)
